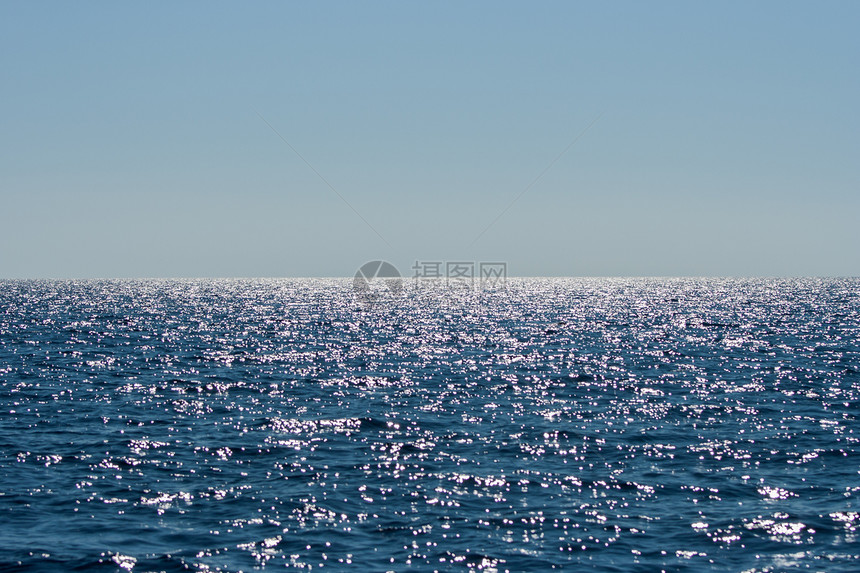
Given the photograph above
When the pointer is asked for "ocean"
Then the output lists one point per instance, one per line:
(608, 424)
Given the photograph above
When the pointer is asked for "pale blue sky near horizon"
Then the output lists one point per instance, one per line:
(724, 138)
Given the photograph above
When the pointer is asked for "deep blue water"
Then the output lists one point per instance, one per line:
(625, 425)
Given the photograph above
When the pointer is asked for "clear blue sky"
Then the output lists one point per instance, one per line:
(728, 138)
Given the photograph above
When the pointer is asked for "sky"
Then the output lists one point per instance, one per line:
(300, 139)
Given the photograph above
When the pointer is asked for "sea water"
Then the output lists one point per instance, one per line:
(615, 424)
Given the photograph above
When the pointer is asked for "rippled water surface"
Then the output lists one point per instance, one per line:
(555, 423)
